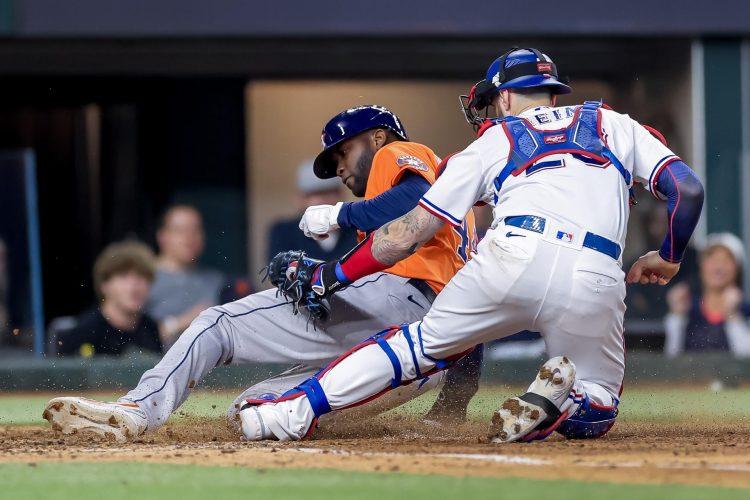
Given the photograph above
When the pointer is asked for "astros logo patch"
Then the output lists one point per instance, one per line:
(412, 161)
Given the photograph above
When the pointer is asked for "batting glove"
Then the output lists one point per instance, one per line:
(319, 220)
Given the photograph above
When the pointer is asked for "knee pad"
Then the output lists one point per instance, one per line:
(591, 420)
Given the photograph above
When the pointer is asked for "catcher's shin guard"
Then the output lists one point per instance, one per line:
(355, 378)
(591, 420)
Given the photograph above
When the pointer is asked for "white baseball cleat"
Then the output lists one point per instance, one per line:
(116, 421)
(536, 414)
(253, 426)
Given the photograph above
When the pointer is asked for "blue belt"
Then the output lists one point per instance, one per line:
(591, 240)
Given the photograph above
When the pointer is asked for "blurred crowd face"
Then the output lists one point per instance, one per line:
(718, 269)
(126, 292)
(182, 238)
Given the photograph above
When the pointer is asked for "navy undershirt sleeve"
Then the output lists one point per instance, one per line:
(371, 214)
(684, 193)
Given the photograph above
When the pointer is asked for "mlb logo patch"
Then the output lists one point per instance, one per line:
(544, 67)
(555, 139)
(412, 161)
(566, 237)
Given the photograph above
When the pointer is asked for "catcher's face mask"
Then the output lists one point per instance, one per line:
(478, 101)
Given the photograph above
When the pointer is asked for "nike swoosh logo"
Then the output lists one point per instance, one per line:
(509, 234)
(410, 298)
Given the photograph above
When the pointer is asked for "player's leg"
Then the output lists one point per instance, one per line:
(591, 333)
(257, 328)
(581, 320)
(261, 328)
(461, 384)
(273, 387)
(489, 298)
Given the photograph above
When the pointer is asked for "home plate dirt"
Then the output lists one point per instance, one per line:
(715, 453)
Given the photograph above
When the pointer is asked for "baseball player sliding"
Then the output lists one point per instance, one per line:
(368, 148)
(560, 180)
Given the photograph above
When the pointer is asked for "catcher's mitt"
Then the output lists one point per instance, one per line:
(292, 273)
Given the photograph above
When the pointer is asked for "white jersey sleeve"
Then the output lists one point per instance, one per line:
(649, 157)
(464, 180)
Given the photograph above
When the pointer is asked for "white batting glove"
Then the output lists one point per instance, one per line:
(319, 220)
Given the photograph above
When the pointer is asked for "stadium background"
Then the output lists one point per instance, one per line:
(130, 106)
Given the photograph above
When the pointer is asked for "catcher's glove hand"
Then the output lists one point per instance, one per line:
(297, 278)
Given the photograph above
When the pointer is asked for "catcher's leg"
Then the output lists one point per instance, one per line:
(272, 388)
(369, 370)
(583, 320)
(596, 346)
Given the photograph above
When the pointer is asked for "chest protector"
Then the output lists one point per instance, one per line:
(583, 139)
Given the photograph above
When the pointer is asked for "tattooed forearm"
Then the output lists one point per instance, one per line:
(400, 238)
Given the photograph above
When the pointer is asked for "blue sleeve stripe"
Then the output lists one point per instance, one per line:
(428, 204)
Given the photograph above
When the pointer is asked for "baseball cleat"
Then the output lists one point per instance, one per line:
(536, 414)
(115, 421)
(253, 426)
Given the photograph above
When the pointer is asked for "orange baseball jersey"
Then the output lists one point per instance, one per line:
(441, 257)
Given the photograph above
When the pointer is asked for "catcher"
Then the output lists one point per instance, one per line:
(367, 147)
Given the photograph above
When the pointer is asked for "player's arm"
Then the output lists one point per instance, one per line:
(366, 215)
(671, 180)
(448, 200)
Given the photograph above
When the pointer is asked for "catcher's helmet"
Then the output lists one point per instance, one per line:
(346, 125)
(516, 69)
(525, 68)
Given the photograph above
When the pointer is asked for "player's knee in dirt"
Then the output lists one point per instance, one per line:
(591, 420)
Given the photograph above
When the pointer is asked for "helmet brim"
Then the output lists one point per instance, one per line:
(323, 165)
(531, 81)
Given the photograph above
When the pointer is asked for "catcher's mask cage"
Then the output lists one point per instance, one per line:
(478, 100)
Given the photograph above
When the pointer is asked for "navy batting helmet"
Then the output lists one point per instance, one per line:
(346, 125)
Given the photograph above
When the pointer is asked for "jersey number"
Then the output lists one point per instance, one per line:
(467, 245)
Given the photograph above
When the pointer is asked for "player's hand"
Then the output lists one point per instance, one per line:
(678, 299)
(651, 268)
(732, 298)
(319, 220)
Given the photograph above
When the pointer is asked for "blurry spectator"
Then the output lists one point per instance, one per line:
(717, 317)
(123, 274)
(286, 235)
(182, 289)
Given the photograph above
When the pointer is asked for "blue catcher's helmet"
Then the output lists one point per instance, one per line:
(346, 125)
(525, 68)
(516, 69)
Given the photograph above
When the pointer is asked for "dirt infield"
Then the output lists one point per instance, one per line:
(708, 453)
